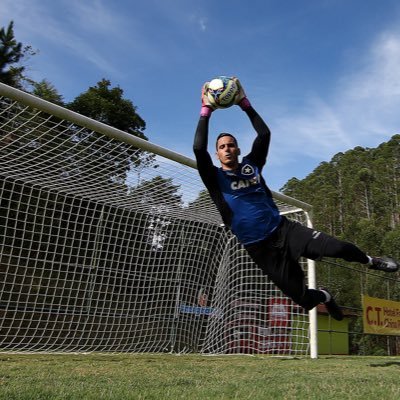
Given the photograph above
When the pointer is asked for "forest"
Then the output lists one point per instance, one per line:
(355, 196)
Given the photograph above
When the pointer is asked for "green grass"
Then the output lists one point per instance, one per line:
(102, 376)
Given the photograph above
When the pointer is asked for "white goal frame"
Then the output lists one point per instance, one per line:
(58, 116)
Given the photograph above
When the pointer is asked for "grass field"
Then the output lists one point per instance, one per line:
(102, 376)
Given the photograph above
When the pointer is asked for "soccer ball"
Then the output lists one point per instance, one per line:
(222, 92)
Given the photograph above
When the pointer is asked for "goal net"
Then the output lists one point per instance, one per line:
(110, 243)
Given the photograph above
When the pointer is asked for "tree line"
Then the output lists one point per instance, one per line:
(356, 196)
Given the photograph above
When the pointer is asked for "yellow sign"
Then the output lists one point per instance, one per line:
(381, 317)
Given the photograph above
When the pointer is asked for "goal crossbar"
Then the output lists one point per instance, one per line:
(65, 114)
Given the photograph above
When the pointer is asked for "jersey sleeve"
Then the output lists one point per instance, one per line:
(205, 166)
(208, 171)
(260, 147)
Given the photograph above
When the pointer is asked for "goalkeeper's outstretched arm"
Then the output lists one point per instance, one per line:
(260, 147)
(200, 144)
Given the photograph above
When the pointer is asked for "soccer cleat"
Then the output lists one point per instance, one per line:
(332, 307)
(386, 264)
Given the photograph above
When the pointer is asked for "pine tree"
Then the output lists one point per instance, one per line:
(11, 54)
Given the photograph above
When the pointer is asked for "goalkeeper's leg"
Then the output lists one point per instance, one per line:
(315, 245)
(289, 277)
(328, 246)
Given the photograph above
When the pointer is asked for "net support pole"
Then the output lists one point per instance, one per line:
(312, 283)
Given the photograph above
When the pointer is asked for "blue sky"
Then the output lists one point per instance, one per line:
(324, 74)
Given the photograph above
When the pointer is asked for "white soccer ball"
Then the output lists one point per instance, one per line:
(222, 92)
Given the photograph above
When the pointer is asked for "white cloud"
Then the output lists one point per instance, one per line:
(362, 111)
(64, 29)
(373, 95)
(203, 24)
(313, 133)
(381, 75)
(95, 16)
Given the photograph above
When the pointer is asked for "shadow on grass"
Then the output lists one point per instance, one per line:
(386, 364)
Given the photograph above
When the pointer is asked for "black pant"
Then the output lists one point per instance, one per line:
(278, 256)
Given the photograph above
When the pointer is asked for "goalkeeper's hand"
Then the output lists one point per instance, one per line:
(241, 99)
(205, 102)
(206, 107)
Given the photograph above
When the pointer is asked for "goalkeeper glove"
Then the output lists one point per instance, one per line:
(206, 107)
(241, 99)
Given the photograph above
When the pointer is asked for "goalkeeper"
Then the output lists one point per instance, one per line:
(246, 206)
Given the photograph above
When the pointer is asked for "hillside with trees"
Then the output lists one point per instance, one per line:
(356, 196)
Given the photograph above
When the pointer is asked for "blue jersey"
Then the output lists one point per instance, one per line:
(254, 213)
(242, 196)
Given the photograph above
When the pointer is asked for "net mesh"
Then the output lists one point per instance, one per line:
(107, 247)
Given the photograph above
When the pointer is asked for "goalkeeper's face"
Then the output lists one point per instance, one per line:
(228, 152)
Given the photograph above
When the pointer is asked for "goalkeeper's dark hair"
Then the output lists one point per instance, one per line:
(226, 134)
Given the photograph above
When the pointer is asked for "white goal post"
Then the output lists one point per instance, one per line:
(110, 243)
